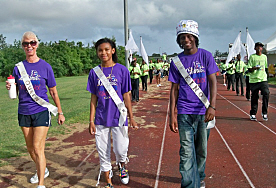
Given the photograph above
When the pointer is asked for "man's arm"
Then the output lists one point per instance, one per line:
(173, 102)
(210, 112)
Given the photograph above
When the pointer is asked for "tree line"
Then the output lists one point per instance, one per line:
(66, 58)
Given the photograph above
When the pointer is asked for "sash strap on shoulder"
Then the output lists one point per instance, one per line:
(113, 94)
(31, 91)
(196, 89)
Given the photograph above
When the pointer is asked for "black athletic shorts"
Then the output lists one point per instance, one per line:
(35, 120)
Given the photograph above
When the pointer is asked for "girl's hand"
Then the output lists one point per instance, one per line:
(92, 128)
(133, 124)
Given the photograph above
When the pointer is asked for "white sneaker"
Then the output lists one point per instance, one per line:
(253, 117)
(124, 177)
(40, 186)
(202, 184)
(34, 179)
(265, 117)
(157, 85)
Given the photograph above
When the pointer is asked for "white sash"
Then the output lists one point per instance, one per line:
(113, 94)
(31, 91)
(190, 81)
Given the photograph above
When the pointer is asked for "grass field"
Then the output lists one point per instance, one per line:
(75, 105)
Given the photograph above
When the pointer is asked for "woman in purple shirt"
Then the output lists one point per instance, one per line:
(34, 119)
(106, 113)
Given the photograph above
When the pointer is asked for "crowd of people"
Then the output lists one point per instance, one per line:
(113, 87)
(254, 72)
(141, 71)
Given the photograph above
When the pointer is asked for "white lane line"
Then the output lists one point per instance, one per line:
(83, 161)
(247, 114)
(161, 151)
(237, 161)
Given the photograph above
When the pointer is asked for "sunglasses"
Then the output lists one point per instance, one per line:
(32, 43)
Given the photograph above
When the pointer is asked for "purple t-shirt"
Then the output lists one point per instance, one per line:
(199, 66)
(41, 75)
(107, 113)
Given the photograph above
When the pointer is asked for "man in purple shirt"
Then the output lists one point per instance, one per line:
(192, 116)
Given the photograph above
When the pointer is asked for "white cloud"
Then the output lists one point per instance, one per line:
(155, 20)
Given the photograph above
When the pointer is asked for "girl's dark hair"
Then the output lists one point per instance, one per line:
(178, 41)
(112, 44)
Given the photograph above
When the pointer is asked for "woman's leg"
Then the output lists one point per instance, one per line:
(120, 148)
(28, 135)
(103, 143)
(39, 137)
(35, 141)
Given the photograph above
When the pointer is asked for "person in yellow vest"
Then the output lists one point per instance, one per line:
(239, 64)
(247, 85)
(135, 73)
(166, 67)
(158, 67)
(230, 75)
(257, 66)
(151, 68)
(144, 75)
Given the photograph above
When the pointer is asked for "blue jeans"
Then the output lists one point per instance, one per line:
(193, 149)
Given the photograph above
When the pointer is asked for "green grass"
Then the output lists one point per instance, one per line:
(272, 81)
(75, 105)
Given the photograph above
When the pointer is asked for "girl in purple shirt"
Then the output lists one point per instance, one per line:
(106, 113)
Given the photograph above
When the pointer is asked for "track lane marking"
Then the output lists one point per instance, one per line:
(161, 150)
(235, 158)
(247, 114)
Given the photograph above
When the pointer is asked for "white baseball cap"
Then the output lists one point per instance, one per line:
(187, 26)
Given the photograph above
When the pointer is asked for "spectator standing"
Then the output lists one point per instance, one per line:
(158, 69)
(230, 75)
(257, 66)
(144, 75)
(135, 73)
(239, 65)
(151, 68)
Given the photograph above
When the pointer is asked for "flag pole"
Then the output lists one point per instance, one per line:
(126, 31)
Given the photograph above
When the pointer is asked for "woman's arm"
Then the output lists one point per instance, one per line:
(126, 97)
(54, 94)
(93, 104)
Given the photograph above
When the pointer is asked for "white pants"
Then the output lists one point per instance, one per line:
(103, 143)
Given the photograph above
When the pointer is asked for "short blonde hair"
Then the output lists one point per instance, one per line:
(28, 35)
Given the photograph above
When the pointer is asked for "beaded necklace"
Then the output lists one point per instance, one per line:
(108, 77)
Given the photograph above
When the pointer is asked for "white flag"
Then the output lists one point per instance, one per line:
(143, 52)
(250, 45)
(243, 53)
(235, 50)
(131, 45)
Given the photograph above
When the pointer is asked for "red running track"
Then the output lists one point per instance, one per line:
(241, 153)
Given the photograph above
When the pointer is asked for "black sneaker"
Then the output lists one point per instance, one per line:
(253, 117)
(265, 117)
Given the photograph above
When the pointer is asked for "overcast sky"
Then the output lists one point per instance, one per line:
(155, 20)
